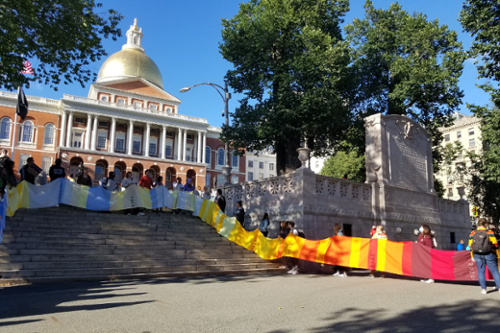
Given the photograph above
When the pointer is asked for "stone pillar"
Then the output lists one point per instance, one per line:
(94, 132)
(146, 139)
(112, 135)
(70, 130)
(162, 141)
(179, 145)
(88, 131)
(130, 136)
(198, 144)
(63, 130)
(184, 145)
(204, 148)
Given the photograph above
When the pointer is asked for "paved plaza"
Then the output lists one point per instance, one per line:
(251, 303)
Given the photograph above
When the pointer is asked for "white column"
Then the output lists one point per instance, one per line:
(94, 132)
(88, 130)
(198, 144)
(204, 148)
(179, 145)
(146, 139)
(112, 135)
(63, 130)
(162, 141)
(184, 145)
(70, 130)
(130, 137)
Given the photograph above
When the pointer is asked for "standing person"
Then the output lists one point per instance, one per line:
(57, 171)
(295, 261)
(146, 180)
(189, 187)
(177, 184)
(126, 182)
(220, 200)
(29, 171)
(206, 193)
(373, 230)
(84, 178)
(283, 233)
(264, 224)
(240, 212)
(337, 231)
(461, 245)
(426, 239)
(379, 234)
(8, 174)
(108, 183)
(158, 182)
(484, 252)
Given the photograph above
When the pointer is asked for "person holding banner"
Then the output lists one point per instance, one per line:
(30, 170)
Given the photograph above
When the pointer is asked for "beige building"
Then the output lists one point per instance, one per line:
(467, 131)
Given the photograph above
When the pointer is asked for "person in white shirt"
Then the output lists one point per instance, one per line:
(127, 181)
(108, 183)
(177, 184)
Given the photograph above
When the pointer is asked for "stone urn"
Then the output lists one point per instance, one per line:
(303, 156)
(461, 192)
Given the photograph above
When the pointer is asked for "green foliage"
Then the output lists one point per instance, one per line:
(439, 188)
(345, 163)
(405, 64)
(290, 62)
(451, 152)
(64, 35)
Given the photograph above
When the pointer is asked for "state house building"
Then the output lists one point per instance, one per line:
(126, 123)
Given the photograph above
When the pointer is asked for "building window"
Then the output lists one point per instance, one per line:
(48, 137)
(271, 166)
(46, 163)
(103, 124)
(235, 179)
(220, 156)
(450, 192)
(22, 159)
(452, 237)
(168, 148)
(169, 110)
(235, 160)
(153, 146)
(189, 136)
(170, 134)
(153, 107)
(27, 130)
(138, 104)
(250, 176)
(102, 137)
(189, 153)
(250, 164)
(261, 176)
(99, 171)
(472, 142)
(220, 180)
(79, 120)
(104, 98)
(5, 129)
(77, 139)
(459, 134)
(121, 101)
(120, 141)
(471, 131)
(207, 180)
(447, 137)
(136, 144)
(208, 153)
(261, 165)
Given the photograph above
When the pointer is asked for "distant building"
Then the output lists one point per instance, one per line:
(260, 165)
(467, 131)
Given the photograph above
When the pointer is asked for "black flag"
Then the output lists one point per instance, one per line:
(22, 104)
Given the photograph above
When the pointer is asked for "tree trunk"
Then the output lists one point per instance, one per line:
(287, 160)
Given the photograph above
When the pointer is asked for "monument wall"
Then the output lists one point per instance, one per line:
(398, 193)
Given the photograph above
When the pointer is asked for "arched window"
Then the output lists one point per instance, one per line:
(208, 156)
(5, 129)
(220, 156)
(99, 171)
(27, 130)
(236, 159)
(118, 174)
(168, 177)
(48, 138)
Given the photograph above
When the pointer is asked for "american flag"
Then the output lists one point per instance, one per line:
(27, 68)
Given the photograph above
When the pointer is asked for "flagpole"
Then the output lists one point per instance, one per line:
(15, 127)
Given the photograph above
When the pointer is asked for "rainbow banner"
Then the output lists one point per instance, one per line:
(401, 258)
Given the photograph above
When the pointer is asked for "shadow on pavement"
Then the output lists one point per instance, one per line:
(470, 316)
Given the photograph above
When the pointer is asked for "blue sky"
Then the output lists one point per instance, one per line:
(182, 37)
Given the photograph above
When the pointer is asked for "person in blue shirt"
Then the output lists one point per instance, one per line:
(460, 245)
(264, 224)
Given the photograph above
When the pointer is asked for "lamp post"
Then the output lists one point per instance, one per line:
(226, 96)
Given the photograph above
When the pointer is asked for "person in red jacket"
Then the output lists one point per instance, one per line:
(146, 181)
(426, 239)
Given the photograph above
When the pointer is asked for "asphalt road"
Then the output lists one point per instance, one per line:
(255, 303)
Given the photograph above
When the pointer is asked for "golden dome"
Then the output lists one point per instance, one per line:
(129, 63)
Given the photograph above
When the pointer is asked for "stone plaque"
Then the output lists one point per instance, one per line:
(398, 153)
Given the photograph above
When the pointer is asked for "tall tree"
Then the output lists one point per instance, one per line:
(290, 62)
(405, 64)
(64, 35)
(348, 164)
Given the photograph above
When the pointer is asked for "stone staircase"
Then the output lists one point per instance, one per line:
(68, 244)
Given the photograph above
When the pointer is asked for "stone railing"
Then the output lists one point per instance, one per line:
(41, 100)
(342, 188)
(134, 108)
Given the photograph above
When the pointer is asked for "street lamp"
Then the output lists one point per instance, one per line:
(226, 96)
